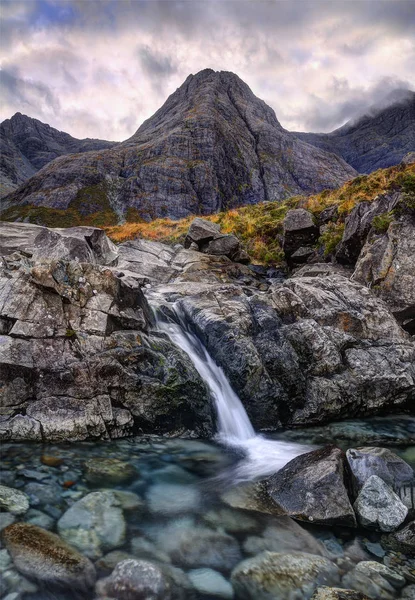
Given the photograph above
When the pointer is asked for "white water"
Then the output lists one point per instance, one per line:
(262, 456)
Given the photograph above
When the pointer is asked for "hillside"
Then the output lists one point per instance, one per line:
(377, 139)
(27, 145)
(212, 146)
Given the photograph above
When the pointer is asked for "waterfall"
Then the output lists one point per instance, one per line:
(263, 456)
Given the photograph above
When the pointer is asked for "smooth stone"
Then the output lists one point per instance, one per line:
(43, 493)
(13, 501)
(285, 576)
(6, 519)
(142, 548)
(194, 547)
(232, 521)
(5, 560)
(108, 562)
(95, 524)
(51, 461)
(284, 535)
(375, 580)
(39, 518)
(408, 592)
(377, 506)
(109, 471)
(32, 474)
(171, 499)
(211, 583)
(136, 580)
(42, 555)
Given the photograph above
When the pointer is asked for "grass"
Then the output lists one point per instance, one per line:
(258, 226)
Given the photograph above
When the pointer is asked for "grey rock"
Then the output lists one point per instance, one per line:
(39, 518)
(284, 576)
(232, 521)
(211, 583)
(283, 535)
(95, 524)
(201, 232)
(41, 555)
(13, 501)
(329, 593)
(378, 506)
(375, 580)
(172, 499)
(311, 488)
(402, 540)
(142, 548)
(377, 139)
(299, 231)
(212, 145)
(134, 579)
(6, 519)
(109, 471)
(367, 461)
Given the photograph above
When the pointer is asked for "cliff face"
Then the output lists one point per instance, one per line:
(212, 145)
(27, 145)
(377, 140)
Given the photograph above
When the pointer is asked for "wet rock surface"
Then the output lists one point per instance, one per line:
(312, 488)
(378, 506)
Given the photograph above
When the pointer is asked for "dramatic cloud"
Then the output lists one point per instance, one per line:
(98, 68)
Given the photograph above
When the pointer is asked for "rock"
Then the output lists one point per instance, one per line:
(408, 592)
(211, 583)
(358, 225)
(299, 231)
(42, 555)
(136, 579)
(284, 576)
(385, 265)
(224, 245)
(193, 546)
(108, 471)
(171, 499)
(232, 521)
(107, 563)
(368, 461)
(327, 593)
(39, 518)
(375, 580)
(311, 488)
(142, 548)
(283, 535)
(378, 506)
(13, 501)
(51, 461)
(201, 232)
(95, 524)
(402, 540)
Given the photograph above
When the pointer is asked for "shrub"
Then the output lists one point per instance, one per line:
(381, 222)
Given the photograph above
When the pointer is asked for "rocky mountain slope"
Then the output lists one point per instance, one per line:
(212, 145)
(27, 145)
(378, 139)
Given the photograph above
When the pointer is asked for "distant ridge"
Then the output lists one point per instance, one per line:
(379, 138)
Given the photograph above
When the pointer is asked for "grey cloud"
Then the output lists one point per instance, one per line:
(25, 94)
(154, 64)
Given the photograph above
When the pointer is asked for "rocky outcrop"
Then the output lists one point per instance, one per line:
(300, 235)
(381, 138)
(213, 145)
(27, 145)
(81, 357)
(311, 488)
(207, 238)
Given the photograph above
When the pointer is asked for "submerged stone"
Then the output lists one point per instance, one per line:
(136, 580)
(42, 555)
(13, 501)
(109, 471)
(211, 583)
(272, 575)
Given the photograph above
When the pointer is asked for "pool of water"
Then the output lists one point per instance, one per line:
(184, 520)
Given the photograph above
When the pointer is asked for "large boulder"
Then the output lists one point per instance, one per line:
(311, 488)
(206, 237)
(300, 232)
(284, 576)
(377, 506)
(43, 556)
(368, 461)
(385, 264)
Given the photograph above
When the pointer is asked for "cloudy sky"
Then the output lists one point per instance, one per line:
(98, 68)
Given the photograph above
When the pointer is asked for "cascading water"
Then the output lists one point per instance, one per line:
(263, 456)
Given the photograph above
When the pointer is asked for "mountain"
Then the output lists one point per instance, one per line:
(212, 145)
(378, 139)
(27, 145)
